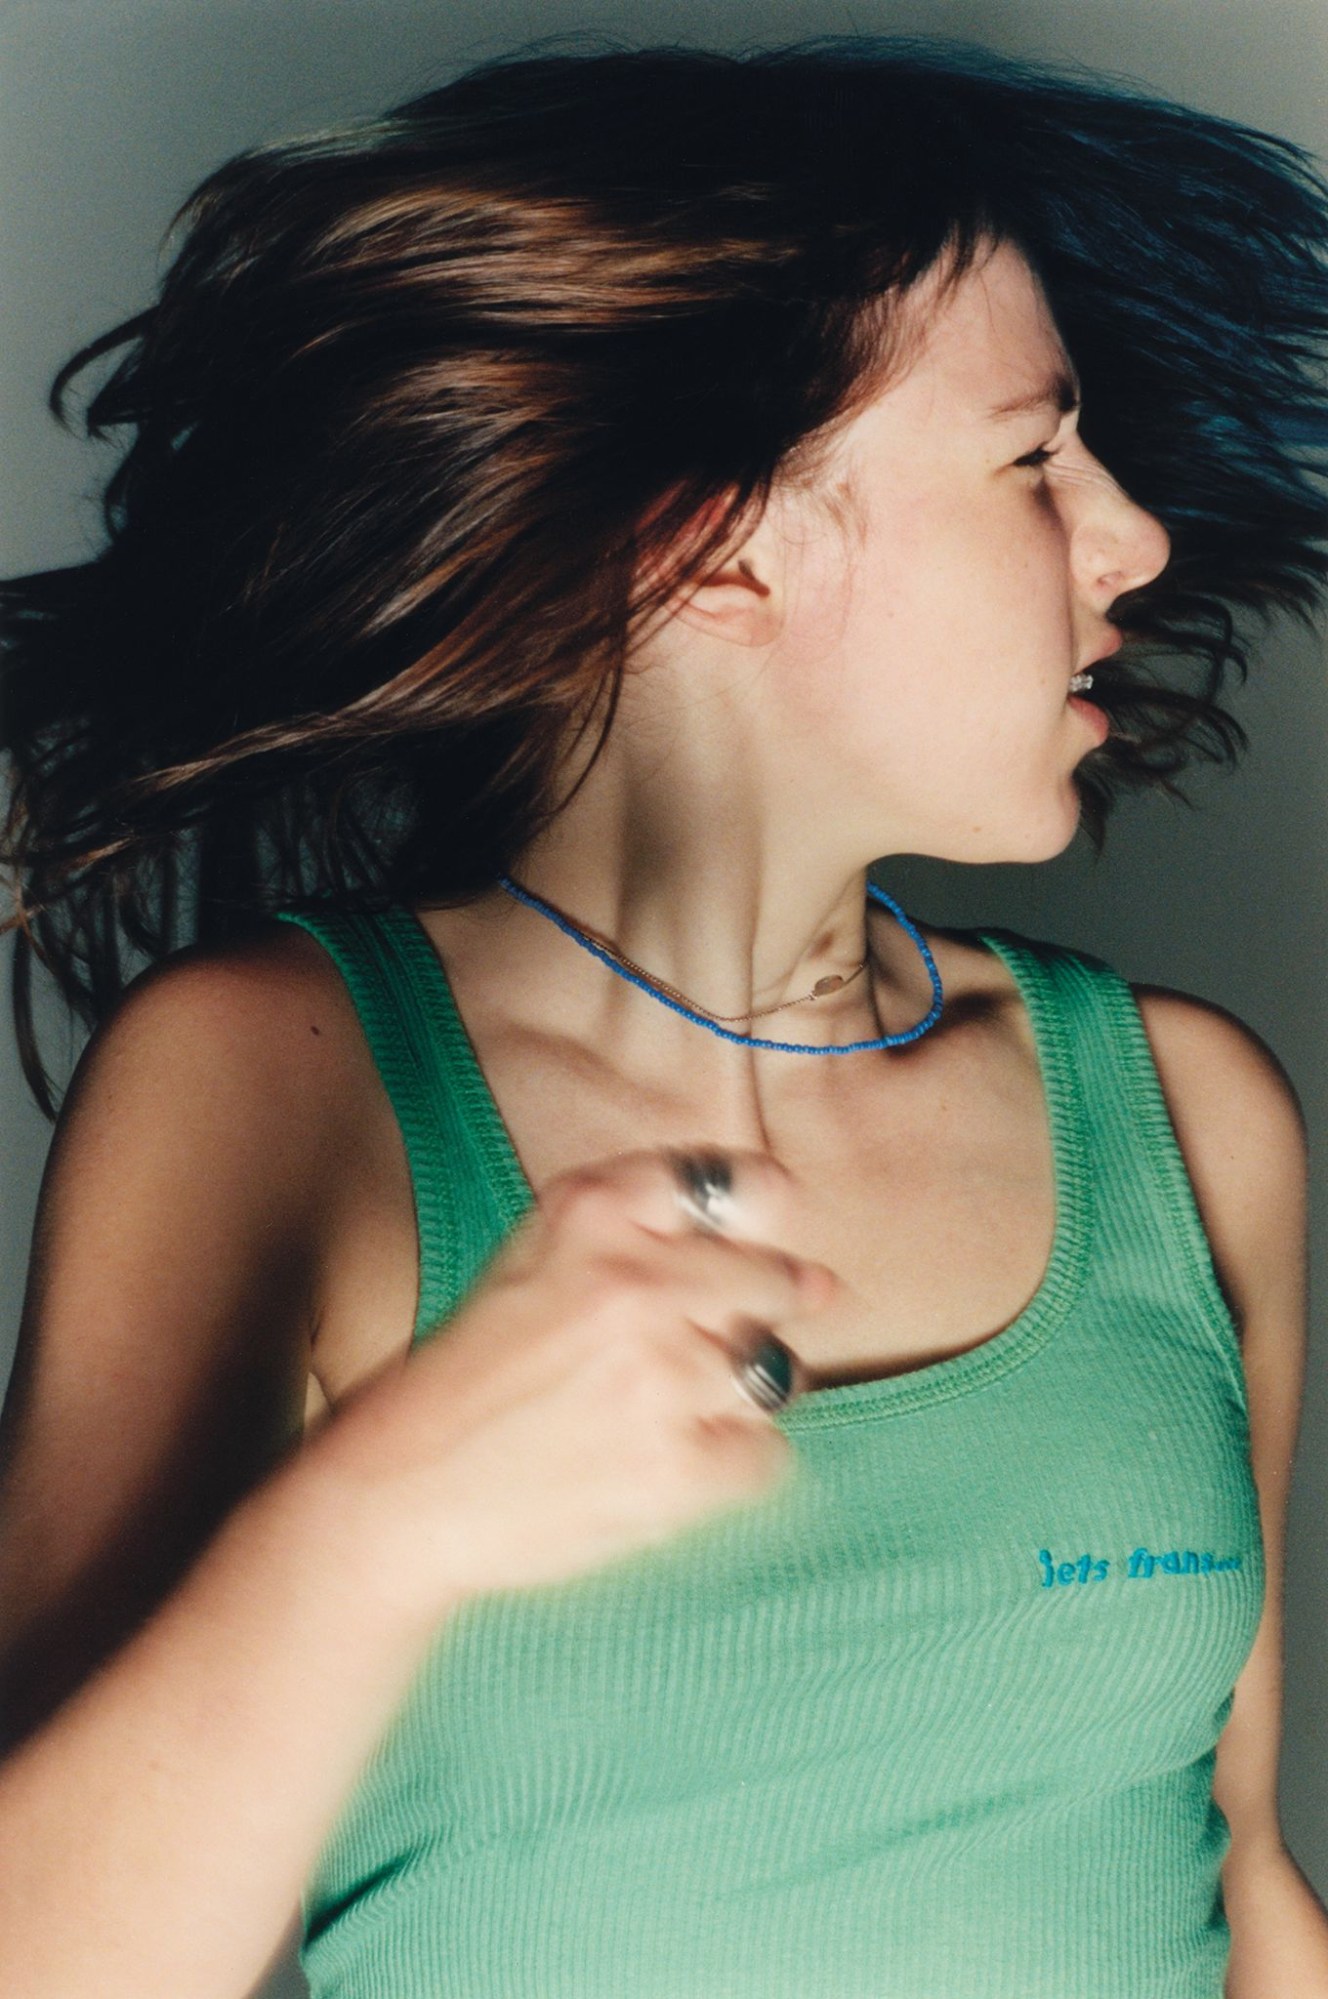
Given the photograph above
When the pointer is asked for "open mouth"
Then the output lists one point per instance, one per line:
(1082, 681)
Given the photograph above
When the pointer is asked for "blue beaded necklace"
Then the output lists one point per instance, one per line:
(644, 984)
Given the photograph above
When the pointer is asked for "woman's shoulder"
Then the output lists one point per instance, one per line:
(262, 1019)
(1240, 1128)
(1204, 1053)
(239, 1071)
(1228, 1094)
(1210, 1052)
(1234, 1110)
(227, 1120)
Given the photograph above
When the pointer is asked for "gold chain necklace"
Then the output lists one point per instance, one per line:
(833, 982)
(669, 996)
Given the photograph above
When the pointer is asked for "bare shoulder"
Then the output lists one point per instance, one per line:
(261, 1000)
(247, 1061)
(1218, 1074)
(1229, 1097)
(209, 1161)
(220, 1127)
(240, 1055)
(1240, 1128)
(207, 1127)
(1235, 1113)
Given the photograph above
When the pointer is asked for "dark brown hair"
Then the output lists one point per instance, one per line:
(422, 400)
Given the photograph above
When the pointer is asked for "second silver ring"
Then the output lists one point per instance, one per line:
(766, 1375)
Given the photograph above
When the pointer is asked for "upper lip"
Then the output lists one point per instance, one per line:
(1112, 644)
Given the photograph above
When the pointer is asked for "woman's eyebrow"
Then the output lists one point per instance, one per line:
(1059, 392)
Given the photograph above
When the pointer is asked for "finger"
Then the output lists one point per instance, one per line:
(760, 1368)
(746, 1374)
(720, 1282)
(658, 1191)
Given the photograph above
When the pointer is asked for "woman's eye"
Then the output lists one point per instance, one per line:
(1038, 457)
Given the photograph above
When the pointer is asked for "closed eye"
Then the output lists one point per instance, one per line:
(1040, 456)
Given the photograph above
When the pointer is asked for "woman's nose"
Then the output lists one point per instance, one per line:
(1119, 545)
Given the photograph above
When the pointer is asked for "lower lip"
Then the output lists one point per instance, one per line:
(1095, 718)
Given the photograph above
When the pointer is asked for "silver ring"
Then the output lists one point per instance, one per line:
(765, 1377)
(704, 1187)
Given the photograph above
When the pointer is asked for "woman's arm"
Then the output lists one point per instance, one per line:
(170, 1307)
(158, 1829)
(165, 1342)
(1240, 1130)
(158, 1821)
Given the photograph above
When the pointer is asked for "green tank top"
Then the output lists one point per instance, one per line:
(935, 1720)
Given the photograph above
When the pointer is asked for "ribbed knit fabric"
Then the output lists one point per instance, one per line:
(934, 1721)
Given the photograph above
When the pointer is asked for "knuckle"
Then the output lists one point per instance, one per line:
(684, 1369)
(622, 1288)
(672, 1375)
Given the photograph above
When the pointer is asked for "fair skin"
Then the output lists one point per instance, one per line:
(886, 674)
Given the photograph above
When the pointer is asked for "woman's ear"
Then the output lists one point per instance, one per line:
(741, 598)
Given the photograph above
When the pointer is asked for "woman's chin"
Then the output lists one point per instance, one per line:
(1038, 838)
(1057, 828)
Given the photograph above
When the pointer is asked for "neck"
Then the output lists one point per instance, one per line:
(687, 860)
(731, 905)
(721, 962)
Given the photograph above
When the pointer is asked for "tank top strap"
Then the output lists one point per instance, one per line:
(469, 1189)
(1150, 1237)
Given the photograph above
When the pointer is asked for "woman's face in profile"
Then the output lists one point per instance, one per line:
(935, 638)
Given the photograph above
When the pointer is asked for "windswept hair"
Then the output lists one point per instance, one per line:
(423, 402)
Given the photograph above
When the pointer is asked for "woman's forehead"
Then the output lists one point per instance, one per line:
(987, 350)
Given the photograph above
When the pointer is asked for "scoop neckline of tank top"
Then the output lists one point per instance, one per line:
(911, 1388)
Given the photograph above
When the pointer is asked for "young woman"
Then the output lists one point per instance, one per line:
(764, 1524)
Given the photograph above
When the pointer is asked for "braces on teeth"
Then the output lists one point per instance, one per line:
(1081, 683)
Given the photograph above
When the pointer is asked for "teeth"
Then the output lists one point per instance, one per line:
(1081, 683)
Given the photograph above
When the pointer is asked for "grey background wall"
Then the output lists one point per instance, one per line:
(110, 114)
